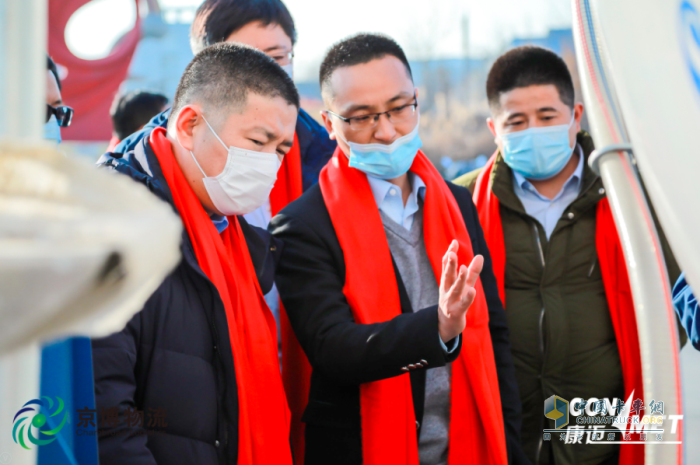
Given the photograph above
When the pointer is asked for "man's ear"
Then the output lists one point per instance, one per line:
(578, 114)
(187, 119)
(328, 124)
(492, 126)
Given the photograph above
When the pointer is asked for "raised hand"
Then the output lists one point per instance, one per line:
(457, 292)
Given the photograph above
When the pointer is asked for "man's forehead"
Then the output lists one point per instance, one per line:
(530, 97)
(371, 83)
(272, 116)
(266, 38)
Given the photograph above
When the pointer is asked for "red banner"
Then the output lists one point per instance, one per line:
(90, 85)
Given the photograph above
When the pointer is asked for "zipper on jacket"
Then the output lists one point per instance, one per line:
(221, 422)
(593, 262)
(541, 333)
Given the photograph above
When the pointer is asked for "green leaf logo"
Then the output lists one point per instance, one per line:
(32, 417)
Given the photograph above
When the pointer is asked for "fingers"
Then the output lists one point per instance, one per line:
(462, 292)
(471, 275)
(454, 246)
(474, 271)
(459, 286)
(449, 267)
(468, 299)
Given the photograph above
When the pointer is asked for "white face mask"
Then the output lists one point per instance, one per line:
(246, 181)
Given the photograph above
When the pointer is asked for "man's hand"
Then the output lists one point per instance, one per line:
(456, 292)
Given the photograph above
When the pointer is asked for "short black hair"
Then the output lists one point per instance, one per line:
(221, 76)
(133, 110)
(359, 49)
(51, 66)
(215, 20)
(528, 66)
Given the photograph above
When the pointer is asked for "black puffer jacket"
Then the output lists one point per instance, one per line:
(173, 361)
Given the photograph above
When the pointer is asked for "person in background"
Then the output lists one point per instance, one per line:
(268, 26)
(57, 115)
(556, 254)
(387, 282)
(131, 111)
(686, 305)
(201, 355)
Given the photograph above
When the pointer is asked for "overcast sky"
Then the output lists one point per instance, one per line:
(425, 28)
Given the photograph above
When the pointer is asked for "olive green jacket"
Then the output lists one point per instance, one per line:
(562, 336)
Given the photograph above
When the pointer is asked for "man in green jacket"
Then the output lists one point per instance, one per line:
(562, 335)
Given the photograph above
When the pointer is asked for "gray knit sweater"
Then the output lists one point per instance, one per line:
(408, 250)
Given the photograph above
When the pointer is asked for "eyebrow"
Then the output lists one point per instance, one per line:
(275, 48)
(272, 136)
(516, 115)
(399, 96)
(57, 102)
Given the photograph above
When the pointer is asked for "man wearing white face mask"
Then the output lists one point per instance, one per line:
(203, 351)
(388, 286)
(556, 254)
(268, 26)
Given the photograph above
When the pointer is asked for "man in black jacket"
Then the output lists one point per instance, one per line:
(372, 112)
(168, 385)
(268, 26)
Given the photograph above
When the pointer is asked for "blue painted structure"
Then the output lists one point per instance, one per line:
(66, 372)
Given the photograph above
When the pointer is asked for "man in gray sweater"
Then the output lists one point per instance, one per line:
(407, 363)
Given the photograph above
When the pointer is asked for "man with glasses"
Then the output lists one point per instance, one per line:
(380, 280)
(57, 115)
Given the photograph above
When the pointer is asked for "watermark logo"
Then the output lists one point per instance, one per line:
(690, 39)
(557, 409)
(33, 416)
(606, 421)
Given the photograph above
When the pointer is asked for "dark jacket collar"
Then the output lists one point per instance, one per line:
(141, 165)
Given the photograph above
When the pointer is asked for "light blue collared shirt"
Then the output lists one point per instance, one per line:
(548, 211)
(220, 222)
(390, 201)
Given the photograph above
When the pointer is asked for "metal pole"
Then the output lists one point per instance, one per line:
(23, 31)
(656, 324)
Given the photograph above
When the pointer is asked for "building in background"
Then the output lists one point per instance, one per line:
(163, 53)
(451, 91)
(454, 108)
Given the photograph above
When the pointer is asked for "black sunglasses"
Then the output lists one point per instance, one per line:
(64, 115)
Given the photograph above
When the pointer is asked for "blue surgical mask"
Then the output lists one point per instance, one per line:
(538, 153)
(289, 69)
(385, 161)
(52, 131)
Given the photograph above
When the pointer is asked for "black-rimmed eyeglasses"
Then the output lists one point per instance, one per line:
(64, 115)
(395, 115)
(282, 58)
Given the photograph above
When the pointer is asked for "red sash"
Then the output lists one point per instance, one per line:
(296, 371)
(388, 422)
(615, 281)
(263, 416)
(288, 186)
